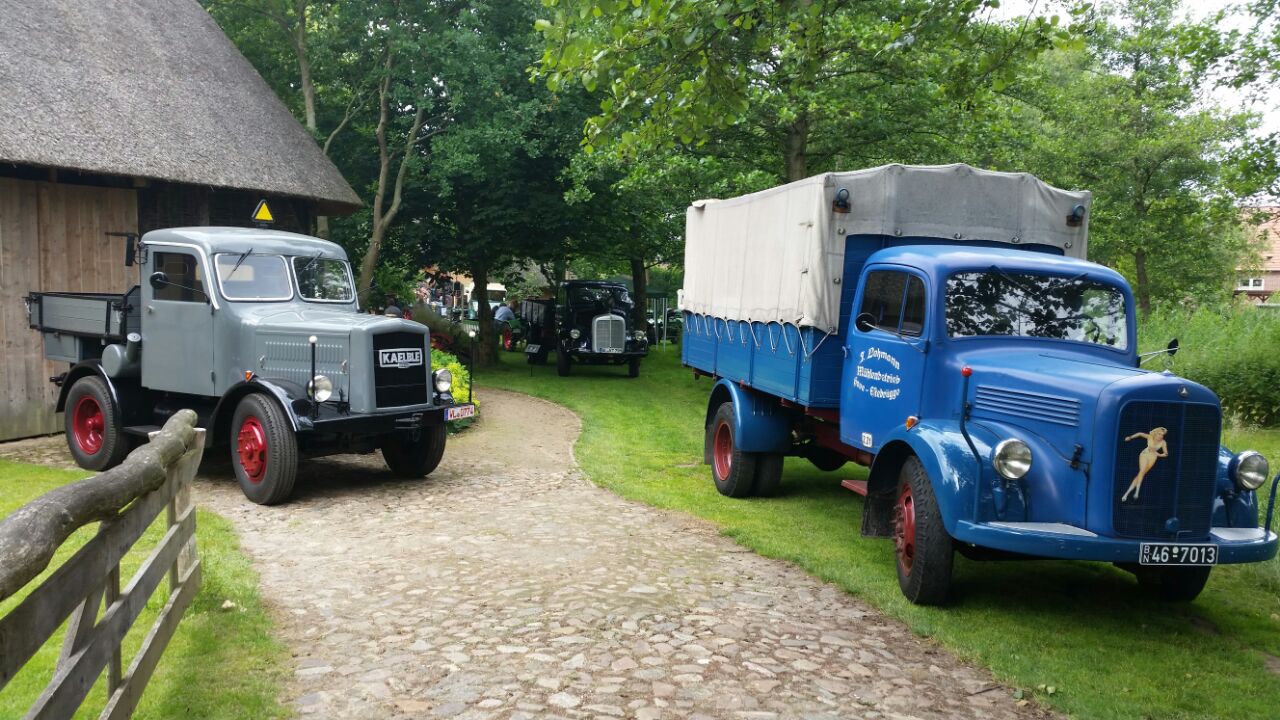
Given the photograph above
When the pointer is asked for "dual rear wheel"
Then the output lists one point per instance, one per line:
(737, 473)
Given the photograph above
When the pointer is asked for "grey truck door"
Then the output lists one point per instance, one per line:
(177, 324)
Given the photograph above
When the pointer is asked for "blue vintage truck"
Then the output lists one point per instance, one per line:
(941, 325)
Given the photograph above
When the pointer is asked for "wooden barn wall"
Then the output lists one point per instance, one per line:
(51, 238)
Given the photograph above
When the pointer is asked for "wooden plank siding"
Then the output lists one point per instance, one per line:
(52, 237)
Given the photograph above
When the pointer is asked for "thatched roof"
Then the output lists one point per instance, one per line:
(153, 89)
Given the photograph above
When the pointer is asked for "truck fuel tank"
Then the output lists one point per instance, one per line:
(125, 360)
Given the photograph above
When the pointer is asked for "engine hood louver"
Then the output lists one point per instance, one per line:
(1023, 405)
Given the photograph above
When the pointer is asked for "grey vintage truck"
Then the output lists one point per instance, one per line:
(260, 332)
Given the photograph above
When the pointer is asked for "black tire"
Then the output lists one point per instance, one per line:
(924, 551)
(633, 367)
(733, 470)
(562, 363)
(94, 437)
(410, 457)
(264, 451)
(768, 474)
(1173, 584)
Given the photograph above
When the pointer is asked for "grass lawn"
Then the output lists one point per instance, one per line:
(1082, 628)
(220, 663)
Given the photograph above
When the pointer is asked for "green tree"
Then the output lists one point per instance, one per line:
(811, 80)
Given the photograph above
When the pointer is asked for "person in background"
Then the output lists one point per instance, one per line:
(504, 315)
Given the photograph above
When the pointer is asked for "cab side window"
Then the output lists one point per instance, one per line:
(186, 279)
(895, 301)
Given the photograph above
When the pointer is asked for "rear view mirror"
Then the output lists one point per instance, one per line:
(1173, 346)
(865, 322)
(159, 280)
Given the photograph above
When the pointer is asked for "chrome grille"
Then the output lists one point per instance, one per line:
(1175, 500)
(608, 333)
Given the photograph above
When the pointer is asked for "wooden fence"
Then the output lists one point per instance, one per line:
(126, 500)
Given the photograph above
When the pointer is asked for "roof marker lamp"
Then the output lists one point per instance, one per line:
(841, 203)
(1076, 217)
(1012, 459)
(1249, 470)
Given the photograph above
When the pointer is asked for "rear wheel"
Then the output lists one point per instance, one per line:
(733, 470)
(633, 367)
(1173, 584)
(408, 456)
(93, 435)
(562, 363)
(922, 545)
(264, 451)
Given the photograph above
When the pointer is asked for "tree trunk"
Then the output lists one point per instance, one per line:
(640, 287)
(308, 89)
(1143, 289)
(486, 343)
(796, 146)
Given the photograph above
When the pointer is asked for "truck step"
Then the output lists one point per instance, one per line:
(858, 486)
(142, 430)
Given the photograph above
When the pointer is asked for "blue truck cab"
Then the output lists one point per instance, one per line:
(941, 326)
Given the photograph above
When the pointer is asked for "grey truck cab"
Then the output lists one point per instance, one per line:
(258, 331)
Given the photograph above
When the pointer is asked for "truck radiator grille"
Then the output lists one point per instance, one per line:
(397, 380)
(1023, 405)
(1175, 500)
(608, 332)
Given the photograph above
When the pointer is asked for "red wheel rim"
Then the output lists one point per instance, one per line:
(904, 529)
(722, 450)
(87, 425)
(251, 446)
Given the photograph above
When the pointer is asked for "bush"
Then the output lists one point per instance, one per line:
(461, 378)
(1231, 349)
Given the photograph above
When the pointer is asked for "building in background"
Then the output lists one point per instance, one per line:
(127, 116)
(1260, 283)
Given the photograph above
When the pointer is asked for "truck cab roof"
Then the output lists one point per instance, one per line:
(940, 261)
(213, 240)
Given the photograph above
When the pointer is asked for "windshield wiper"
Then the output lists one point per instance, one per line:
(312, 261)
(239, 260)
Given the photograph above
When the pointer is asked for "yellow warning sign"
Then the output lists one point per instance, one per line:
(263, 213)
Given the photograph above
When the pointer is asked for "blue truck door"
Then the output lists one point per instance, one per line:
(177, 324)
(884, 357)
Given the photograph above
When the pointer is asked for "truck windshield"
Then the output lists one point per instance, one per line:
(1063, 308)
(588, 294)
(253, 277)
(323, 279)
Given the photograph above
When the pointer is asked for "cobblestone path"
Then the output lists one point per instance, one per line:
(508, 586)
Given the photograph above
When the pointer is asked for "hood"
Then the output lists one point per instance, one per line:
(295, 318)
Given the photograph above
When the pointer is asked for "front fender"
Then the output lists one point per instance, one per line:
(283, 391)
(761, 424)
(952, 468)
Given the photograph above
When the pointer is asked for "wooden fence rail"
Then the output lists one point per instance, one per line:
(126, 500)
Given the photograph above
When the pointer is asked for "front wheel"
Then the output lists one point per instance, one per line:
(633, 367)
(94, 438)
(264, 451)
(733, 470)
(923, 547)
(562, 363)
(410, 457)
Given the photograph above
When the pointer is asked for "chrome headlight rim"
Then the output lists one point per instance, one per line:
(575, 333)
(442, 380)
(638, 336)
(1249, 470)
(320, 388)
(1012, 459)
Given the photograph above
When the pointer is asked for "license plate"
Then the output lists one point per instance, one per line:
(531, 349)
(457, 412)
(1178, 554)
(611, 350)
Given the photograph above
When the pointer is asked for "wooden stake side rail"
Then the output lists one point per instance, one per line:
(90, 580)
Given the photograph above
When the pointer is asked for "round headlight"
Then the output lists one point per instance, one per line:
(575, 333)
(321, 388)
(443, 380)
(1251, 470)
(639, 335)
(1012, 459)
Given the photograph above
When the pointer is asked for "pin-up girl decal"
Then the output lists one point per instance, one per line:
(1156, 449)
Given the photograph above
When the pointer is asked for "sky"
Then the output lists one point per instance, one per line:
(1268, 108)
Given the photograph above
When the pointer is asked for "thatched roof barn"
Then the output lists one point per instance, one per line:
(126, 116)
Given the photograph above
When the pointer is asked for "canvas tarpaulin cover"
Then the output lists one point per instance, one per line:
(778, 255)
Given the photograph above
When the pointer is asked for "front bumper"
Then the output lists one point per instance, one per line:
(334, 420)
(1055, 540)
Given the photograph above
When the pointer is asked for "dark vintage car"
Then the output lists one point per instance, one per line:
(589, 323)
